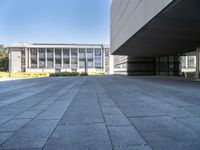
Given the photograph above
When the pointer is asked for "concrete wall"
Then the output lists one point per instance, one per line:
(134, 65)
(128, 16)
(15, 60)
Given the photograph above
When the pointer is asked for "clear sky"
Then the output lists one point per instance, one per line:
(63, 21)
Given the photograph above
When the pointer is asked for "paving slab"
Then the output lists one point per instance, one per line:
(14, 125)
(125, 135)
(34, 135)
(80, 137)
(164, 133)
(82, 115)
(191, 122)
(116, 120)
(140, 110)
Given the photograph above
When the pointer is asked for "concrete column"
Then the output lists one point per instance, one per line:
(29, 58)
(45, 57)
(93, 58)
(62, 58)
(186, 61)
(70, 63)
(197, 62)
(37, 58)
(78, 58)
(54, 64)
(10, 61)
(101, 58)
(86, 61)
(104, 61)
(111, 65)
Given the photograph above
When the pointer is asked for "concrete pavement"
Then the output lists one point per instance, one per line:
(100, 113)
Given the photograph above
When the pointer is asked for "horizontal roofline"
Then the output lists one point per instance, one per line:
(57, 44)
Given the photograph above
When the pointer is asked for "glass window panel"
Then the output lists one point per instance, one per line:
(81, 53)
(97, 52)
(33, 52)
(41, 57)
(81, 64)
(74, 52)
(65, 62)
(89, 53)
(49, 57)
(90, 64)
(58, 52)
(65, 52)
(58, 62)
(98, 58)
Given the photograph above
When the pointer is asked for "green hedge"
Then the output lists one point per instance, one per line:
(57, 74)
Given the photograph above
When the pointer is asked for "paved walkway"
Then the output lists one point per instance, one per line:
(100, 113)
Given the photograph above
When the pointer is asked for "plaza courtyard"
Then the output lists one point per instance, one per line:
(100, 113)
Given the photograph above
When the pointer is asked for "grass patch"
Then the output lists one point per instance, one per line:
(23, 75)
(96, 73)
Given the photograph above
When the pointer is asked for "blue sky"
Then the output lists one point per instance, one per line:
(63, 21)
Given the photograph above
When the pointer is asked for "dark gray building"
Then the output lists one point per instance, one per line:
(154, 34)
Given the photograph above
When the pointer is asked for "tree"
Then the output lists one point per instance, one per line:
(3, 58)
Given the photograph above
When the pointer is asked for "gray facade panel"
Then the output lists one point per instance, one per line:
(129, 16)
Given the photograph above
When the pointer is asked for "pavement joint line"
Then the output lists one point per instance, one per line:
(109, 136)
(74, 124)
(129, 120)
(24, 125)
(196, 116)
(131, 145)
(79, 83)
(148, 116)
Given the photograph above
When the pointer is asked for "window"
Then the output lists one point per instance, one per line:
(82, 58)
(90, 64)
(65, 58)
(89, 53)
(33, 52)
(191, 62)
(98, 56)
(97, 52)
(81, 64)
(90, 58)
(58, 57)
(82, 54)
(23, 60)
(49, 57)
(41, 57)
(65, 52)
(74, 57)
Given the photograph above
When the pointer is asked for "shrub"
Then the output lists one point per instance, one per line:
(83, 74)
(57, 74)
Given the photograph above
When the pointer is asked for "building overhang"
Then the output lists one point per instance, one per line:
(175, 29)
